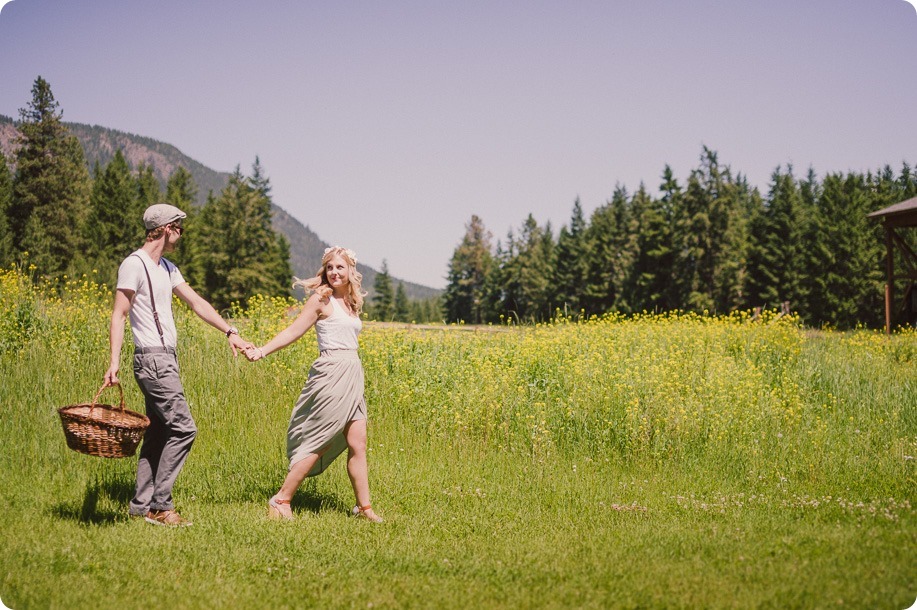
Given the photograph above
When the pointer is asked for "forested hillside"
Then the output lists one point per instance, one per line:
(100, 145)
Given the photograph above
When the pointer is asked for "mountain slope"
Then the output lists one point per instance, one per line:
(100, 144)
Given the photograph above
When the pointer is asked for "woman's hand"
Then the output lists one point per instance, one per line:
(238, 343)
(253, 353)
(303, 322)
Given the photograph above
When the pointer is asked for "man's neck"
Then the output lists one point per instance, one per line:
(154, 249)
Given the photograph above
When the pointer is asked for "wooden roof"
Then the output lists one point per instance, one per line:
(903, 214)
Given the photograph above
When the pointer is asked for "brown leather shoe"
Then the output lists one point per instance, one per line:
(166, 517)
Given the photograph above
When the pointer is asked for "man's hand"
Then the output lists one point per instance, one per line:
(253, 353)
(111, 376)
(236, 343)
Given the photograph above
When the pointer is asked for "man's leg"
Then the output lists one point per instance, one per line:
(153, 440)
(180, 435)
(158, 378)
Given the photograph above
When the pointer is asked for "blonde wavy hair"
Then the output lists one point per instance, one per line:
(320, 285)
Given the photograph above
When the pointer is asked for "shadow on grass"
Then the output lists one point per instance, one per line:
(307, 499)
(313, 502)
(118, 491)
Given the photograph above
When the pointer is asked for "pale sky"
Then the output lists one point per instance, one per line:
(385, 125)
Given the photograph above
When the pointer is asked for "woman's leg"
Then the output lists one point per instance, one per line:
(355, 433)
(280, 503)
(296, 475)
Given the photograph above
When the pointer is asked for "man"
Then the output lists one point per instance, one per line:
(143, 275)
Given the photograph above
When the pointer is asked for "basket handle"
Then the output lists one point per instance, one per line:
(99, 393)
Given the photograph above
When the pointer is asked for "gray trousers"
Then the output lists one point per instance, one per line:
(168, 439)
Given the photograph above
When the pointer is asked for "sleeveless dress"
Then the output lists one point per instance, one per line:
(333, 395)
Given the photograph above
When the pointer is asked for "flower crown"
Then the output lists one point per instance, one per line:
(347, 252)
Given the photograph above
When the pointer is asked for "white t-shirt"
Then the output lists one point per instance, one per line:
(165, 276)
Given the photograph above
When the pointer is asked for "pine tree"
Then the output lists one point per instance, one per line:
(699, 242)
(527, 273)
(672, 206)
(431, 310)
(259, 180)
(235, 252)
(571, 263)
(628, 215)
(471, 262)
(692, 229)
(731, 262)
(847, 287)
(652, 270)
(202, 256)
(181, 191)
(384, 297)
(256, 244)
(424, 311)
(6, 198)
(776, 256)
(402, 304)
(280, 271)
(148, 191)
(813, 248)
(113, 222)
(50, 188)
(907, 183)
(906, 189)
(709, 240)
(611, 252)
(493, 292)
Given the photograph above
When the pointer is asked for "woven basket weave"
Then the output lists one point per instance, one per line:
(103, 430)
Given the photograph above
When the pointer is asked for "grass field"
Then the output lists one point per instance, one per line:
(675, 461)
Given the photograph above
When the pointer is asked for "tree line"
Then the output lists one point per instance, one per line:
(712, 243)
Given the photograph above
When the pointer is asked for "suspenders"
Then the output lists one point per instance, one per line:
(152, 300)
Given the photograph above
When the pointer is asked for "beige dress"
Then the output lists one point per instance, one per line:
(333, 395)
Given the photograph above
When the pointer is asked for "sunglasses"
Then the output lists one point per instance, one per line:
(178, 228)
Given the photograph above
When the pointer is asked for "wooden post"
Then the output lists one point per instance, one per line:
(888, 309)
(890, 273)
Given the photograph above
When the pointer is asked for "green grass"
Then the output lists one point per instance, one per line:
(659, 462)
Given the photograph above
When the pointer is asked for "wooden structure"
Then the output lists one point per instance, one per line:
(895, 218)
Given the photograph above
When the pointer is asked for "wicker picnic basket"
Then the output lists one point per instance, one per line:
(103, 430)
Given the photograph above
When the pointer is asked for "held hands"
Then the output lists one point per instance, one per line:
(238, 343)
(253, 353)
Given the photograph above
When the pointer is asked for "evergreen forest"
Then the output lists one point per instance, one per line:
(711, 244)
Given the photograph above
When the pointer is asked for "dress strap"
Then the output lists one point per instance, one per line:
(338, 307)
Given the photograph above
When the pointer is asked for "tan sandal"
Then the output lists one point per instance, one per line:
(360, 512)
(275, 510)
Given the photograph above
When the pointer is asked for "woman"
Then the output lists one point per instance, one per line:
(330, 414)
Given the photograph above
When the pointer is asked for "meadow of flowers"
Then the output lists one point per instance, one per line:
(499, 456)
